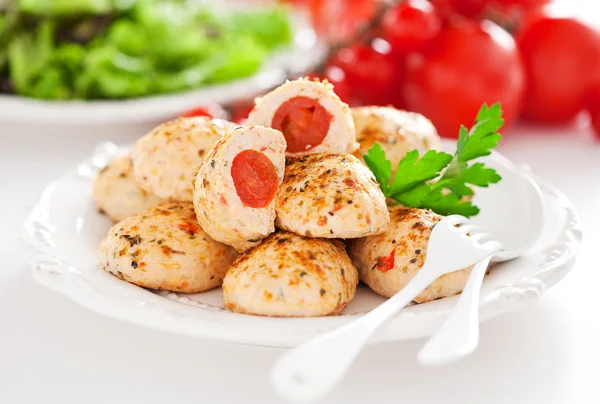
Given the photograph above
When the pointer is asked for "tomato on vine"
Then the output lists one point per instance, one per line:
(470, 8)
(411, 25)
(338, 77)
(211, 111)
(239, 113)
(371, 72)
(469, 63)
(562, 62)
(593, 107)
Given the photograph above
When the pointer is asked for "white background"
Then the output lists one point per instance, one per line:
(53, 351)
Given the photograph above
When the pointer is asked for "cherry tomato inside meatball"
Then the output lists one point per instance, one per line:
(255, 178)
(303, 121)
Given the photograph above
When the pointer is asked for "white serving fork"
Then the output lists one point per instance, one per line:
(520, 204)
(307, 372)
(459, 334)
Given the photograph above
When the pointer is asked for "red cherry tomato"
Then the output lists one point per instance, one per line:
(211, 111)
(303, 121)
(593, 107)
(562, 61)
(444, 8)
(523, 3)
(467, 65)
(255, 178)
(411, 25)
(469, 8)
(355, 12)
(514, 14)
(240, 113)
(371, 72)
(336, 76)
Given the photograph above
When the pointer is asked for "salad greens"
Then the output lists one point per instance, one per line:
(99, 49)
(65, 7)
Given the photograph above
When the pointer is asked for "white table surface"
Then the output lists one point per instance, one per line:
(53, 351)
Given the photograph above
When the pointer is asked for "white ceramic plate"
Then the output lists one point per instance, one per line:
(304, 52)
(65, 229)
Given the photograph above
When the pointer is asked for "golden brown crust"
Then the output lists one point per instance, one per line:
(116, 192)
(291, 276)
(397, 131)
(165, 248)
(166, 158)
(388, 261)
(330, 196)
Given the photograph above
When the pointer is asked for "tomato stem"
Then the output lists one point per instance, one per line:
(361, 33)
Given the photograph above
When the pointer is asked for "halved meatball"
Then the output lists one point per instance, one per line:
(166, 159)
(165, 248)
(310, 115)
(291, 276)
(116, 192)
(330, 196)
(387, 262)
(235, 187)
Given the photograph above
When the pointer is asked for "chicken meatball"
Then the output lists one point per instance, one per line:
(117, 194)
(330, 196)
(166, 159)
(387, 262)
(397, 131)
(291, 276)
(310, 115)
(235, 187)
(165, 248)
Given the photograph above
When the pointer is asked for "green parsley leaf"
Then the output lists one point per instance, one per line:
(424, 197)
(455, 185)
(483, 136)
(479, 175)
(450, 204)
(477, 142)
(415, 197)
(413, 171)
(380, 166)
(411, 185)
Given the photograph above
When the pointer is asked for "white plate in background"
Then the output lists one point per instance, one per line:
(303, 53)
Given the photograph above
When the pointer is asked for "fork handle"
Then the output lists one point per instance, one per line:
(459, 334)
(311, 370)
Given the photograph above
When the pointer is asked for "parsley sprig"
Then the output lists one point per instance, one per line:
(412, 184)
